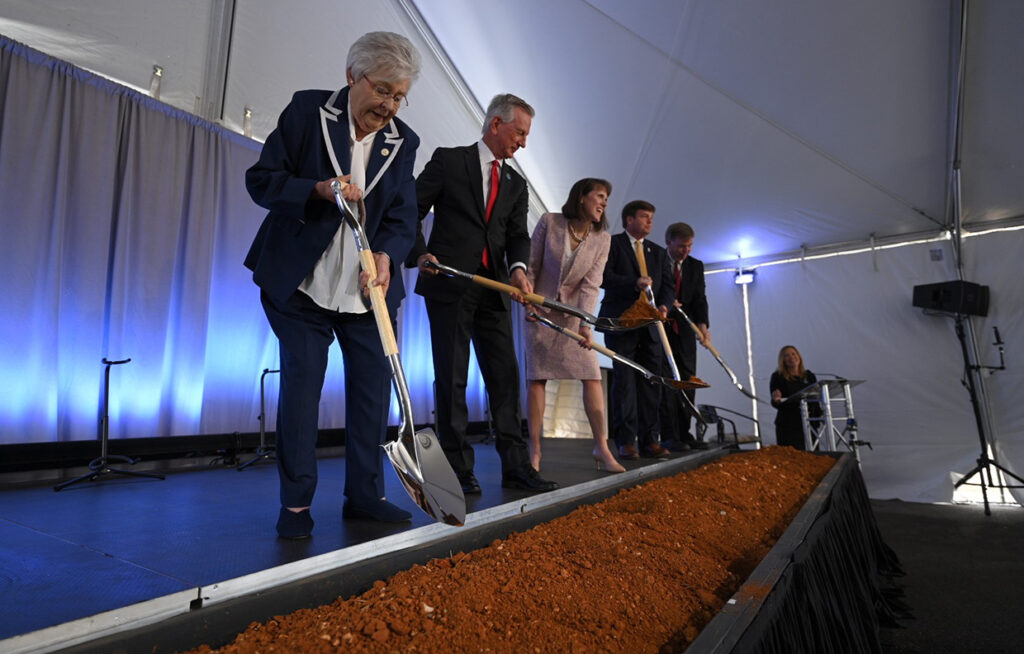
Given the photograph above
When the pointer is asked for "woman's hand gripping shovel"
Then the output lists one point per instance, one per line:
(416, 455)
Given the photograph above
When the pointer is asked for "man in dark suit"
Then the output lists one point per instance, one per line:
(634, 407)
(689, 295)
(307, 267)
(480, 227)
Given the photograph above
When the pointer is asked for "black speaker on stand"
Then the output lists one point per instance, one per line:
(960, 300)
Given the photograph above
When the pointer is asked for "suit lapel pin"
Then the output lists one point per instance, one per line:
(385, 152)
(508, 176)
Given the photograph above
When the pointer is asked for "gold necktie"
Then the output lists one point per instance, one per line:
(639, 247)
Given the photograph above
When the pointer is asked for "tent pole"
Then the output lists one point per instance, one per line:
(973, 379)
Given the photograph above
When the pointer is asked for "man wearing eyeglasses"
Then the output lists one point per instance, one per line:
(479, 227)
(305, 261)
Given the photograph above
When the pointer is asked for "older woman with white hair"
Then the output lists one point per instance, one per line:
(307, 267)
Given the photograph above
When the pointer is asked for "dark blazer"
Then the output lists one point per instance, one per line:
(622, 271)
(694, 300)
(452, 185)
(788, 415)
(310, 144)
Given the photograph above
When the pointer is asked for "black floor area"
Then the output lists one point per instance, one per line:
(102, 545)
(964, 582)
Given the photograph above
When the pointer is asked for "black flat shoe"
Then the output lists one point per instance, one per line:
(526, 478)
(470, 486)
(294, 526)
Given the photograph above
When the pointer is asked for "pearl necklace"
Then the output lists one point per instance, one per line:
(575, 236)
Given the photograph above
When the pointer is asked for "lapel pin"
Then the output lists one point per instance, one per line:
(508, 176)
(385, 152)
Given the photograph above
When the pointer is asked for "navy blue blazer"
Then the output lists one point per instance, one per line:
(622, 271)
(452, 184)
(310, 144)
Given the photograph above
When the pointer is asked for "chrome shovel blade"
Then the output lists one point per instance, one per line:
(428, 477)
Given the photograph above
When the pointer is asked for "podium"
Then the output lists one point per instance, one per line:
(832, 428)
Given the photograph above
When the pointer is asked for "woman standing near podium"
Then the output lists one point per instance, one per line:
(790, 378)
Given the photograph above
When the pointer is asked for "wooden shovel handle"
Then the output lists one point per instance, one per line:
(532, 298)
(380, 307)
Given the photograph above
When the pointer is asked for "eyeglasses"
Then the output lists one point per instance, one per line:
(383, 93)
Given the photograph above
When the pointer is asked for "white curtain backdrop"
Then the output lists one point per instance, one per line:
(124, 224)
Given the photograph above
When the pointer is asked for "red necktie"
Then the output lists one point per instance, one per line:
(679, 284)
(491, 197)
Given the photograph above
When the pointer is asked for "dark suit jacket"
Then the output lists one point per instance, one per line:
(788, 415)
(452, 185)
(622, 271)
(310, 144)
(695, 303)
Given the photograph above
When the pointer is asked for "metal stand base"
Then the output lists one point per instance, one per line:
(985, 480)
(262, 454)
(264, 451)
(100, 465)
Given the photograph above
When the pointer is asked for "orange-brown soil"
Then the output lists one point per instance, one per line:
(644, 570)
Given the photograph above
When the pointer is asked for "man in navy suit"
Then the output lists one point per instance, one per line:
(479, 227)
(307, 267)
(634, 407)
(688, 285)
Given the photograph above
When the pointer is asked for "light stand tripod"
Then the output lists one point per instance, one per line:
(264, 451)
(100, 465)
(985, 463)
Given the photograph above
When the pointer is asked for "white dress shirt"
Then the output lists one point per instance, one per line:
(334, 282)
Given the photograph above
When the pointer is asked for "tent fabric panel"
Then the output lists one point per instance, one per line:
(877, 106)
(992, 157)
(120, 39)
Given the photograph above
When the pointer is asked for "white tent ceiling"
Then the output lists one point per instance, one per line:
(768, 126)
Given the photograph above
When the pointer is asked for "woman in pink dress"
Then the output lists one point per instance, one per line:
(567, 257)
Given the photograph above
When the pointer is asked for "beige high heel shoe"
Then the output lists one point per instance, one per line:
(609, 463)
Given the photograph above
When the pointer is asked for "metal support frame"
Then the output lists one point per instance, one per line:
(823, 433)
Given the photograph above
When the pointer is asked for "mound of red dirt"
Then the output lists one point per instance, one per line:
(639, 572)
